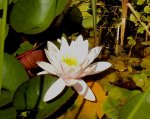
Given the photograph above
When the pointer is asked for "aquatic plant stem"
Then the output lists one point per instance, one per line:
(2, 38)
(124, 16)
(96, 42)
(137, 17)
(117, 41)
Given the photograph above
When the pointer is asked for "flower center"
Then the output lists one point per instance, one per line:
(70, 61)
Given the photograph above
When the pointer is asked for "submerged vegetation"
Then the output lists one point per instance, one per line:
(115, 32)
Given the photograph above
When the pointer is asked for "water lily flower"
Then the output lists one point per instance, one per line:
(70, 63)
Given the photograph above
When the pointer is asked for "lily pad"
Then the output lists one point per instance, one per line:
(35, 16)
(140, 79)
(116, 98)
(137, 107)
(13, 75)
(9, 113)
(5, 97)
(30, 96)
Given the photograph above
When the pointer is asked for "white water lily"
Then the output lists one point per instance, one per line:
(70, 63)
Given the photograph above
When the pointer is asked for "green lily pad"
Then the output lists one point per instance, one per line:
(9, 113)
(13, 75)
(30, 96)
(116, 98)
(140, 79)
(35, 16)
(137, 107)
(5, 97)
(111, 108)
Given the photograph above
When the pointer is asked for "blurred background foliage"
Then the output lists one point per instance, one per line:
(122, 27)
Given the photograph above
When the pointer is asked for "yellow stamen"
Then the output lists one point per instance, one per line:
(70, 61)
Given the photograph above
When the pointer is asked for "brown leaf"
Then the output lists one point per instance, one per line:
(84, 109)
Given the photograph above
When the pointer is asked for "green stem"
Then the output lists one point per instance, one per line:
(94, 21)
(2, 38)
(138, 18)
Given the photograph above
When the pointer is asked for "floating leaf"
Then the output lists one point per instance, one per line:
(29, 58)
(84, 109)
(9, 113)
(5, 97)
(13, 73)
(35, 16)
(13, 76)
(141, 80)
(30, 96)
(116, 98)
(111, 108)
(137, 107)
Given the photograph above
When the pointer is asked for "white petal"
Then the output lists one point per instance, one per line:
(51, 57)
(47, 67)
(76, 72)
(54, 61)
(65, 69)
(96, 68)
(93, 53)
(82, 52)
(79, 40)
(55, 89)
(70, 82)
(52, 48)
(73, 44)
(42, 72)
(71, 71)
(82, 88)
(64, 46)
(77, 43)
